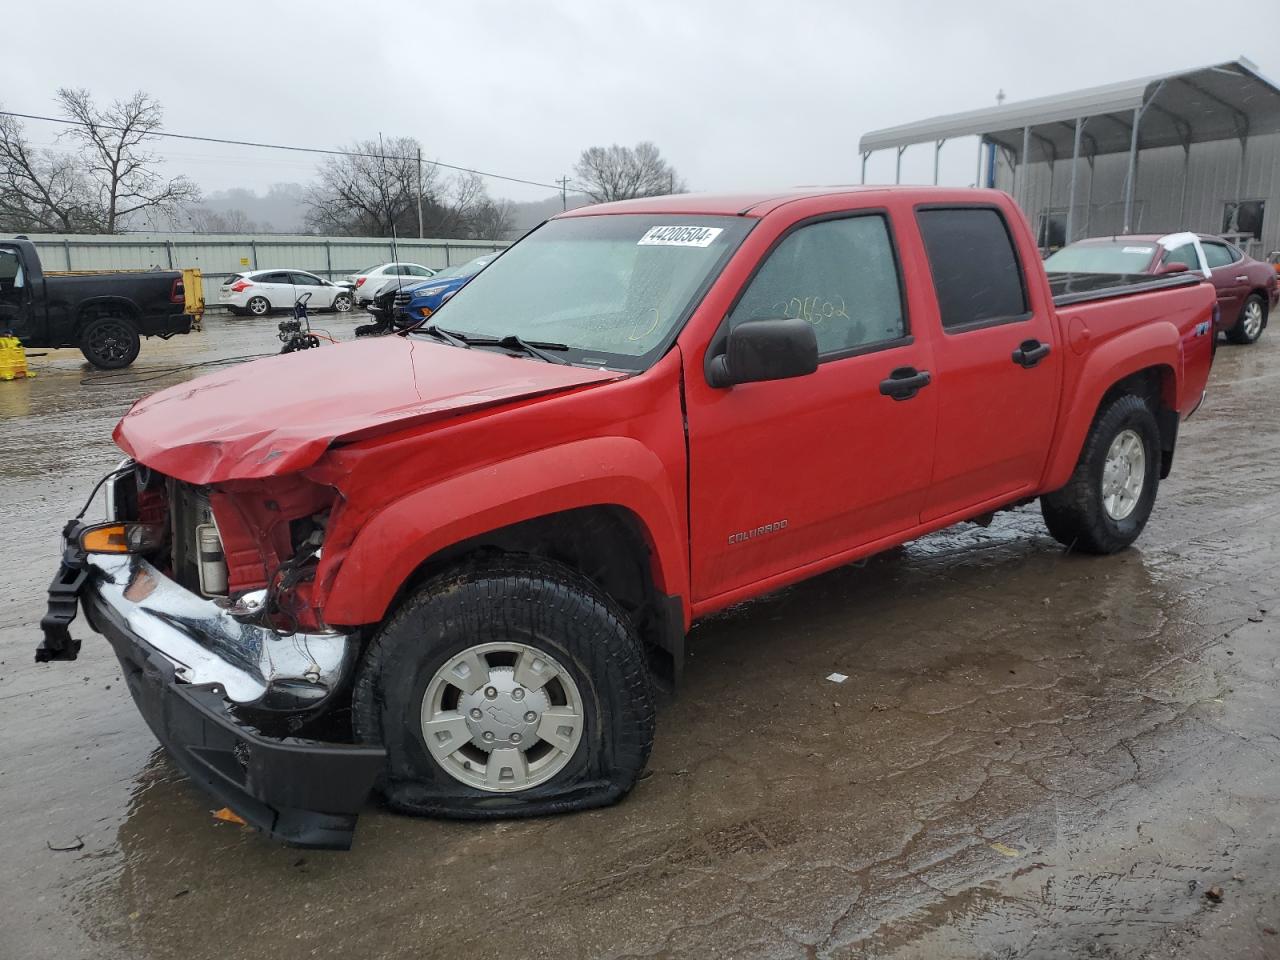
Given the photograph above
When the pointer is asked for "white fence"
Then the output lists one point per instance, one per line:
(220, 255)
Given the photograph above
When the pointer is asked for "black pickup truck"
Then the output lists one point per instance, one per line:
(106, 315)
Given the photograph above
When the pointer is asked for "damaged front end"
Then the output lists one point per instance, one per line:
(222, 649)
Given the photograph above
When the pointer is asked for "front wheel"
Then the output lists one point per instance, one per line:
(342, 303)
(110, 343)
(1106, 503)
(1253, 317)
(513, 688)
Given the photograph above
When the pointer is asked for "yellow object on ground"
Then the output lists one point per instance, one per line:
(193, 288)
(13, 359)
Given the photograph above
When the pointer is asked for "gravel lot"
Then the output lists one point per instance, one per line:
(1034, 755)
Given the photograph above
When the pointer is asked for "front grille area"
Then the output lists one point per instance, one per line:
(402, 299)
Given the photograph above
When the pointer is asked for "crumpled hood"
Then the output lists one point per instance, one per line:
(278, 415)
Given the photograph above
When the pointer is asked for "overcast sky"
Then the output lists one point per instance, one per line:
(736, 94)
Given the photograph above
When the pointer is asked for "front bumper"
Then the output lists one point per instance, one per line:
(200, 679)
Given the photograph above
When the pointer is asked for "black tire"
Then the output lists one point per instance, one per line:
(110, 342)
(1076, 515)
(258, 306)
(1249, 326)
(527, 601)
(342, 303)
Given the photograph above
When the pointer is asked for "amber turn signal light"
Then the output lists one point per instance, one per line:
(121, 538)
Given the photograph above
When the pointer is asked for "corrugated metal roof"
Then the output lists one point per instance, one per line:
(1218, 102)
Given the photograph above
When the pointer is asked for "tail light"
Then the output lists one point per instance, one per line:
(240, 285)
(178, 293)
(360, 281)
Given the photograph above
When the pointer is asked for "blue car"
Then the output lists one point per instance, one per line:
(420, 301)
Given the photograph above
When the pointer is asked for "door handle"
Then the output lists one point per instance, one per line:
(905, 382)
(1030, 352)
(1244, 279)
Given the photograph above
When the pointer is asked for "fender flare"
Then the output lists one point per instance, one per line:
(129, 309)
(1150, 345)
(600, 471)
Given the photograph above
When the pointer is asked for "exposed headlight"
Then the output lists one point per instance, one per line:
(122, 538)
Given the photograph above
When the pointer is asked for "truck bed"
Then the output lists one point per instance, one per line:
(1074, 288)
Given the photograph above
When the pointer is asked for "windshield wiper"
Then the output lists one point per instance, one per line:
(534, 348)
(447, 336)
(537, 348)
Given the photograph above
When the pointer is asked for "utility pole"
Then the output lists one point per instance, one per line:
(419, 193)
(564, 193)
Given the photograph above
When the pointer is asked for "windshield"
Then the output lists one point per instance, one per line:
(615, 288)
(1119, 257)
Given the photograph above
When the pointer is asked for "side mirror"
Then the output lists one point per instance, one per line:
(1165, 268)
(765, 350)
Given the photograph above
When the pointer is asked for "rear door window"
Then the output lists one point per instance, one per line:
(841, 276)
(975, 267)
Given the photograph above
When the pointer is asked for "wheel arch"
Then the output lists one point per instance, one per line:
(1144, 361)
(602, 506)
(89, 310)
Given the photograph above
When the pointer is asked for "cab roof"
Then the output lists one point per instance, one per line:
(740, 204)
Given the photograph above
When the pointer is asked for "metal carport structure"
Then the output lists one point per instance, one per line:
(1229, 101)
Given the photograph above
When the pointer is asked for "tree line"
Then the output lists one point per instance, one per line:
(104, 177)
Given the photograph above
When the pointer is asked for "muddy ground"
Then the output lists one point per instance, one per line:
(1034, 755)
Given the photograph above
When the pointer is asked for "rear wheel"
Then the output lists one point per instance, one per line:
(110, 342)
(1253, 317)
(258, 306)
(1106, 503)
(515, 688)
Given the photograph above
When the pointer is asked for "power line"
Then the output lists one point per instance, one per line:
(295, 149)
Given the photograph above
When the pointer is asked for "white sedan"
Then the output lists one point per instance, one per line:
(365, 283)
(260, 291)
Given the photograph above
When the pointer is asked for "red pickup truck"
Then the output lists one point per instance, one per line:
(450, 562)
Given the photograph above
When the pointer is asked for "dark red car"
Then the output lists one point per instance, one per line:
(1247, 289)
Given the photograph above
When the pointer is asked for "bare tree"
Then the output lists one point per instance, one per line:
(623, 173)
(492, 220)
(40, 189)
(204, 220)
(374, 188)
(123, 172)
(369, 190)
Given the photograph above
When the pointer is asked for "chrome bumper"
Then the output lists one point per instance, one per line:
(254, 665)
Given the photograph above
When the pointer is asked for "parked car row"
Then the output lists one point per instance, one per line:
(408, 303)
(1247, 289)
(365, 284)
(259, 292)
